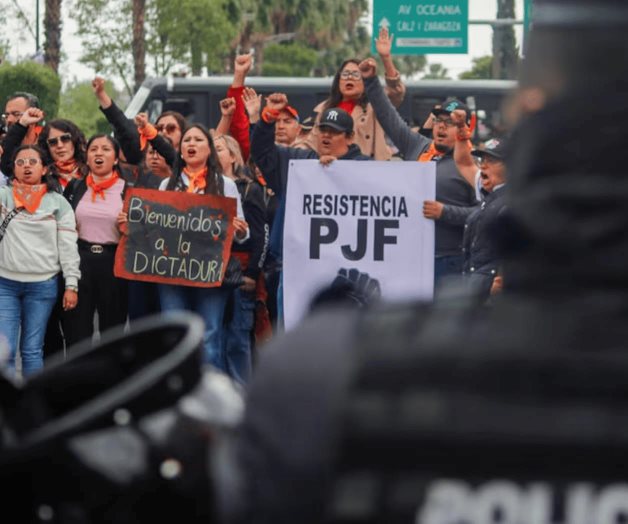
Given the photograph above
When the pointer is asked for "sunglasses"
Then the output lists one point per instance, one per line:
(168, 128)
(32, 161)
(65, 138)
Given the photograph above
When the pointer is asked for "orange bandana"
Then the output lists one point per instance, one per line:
(197, 179)
(68, 169)
(148, 132)
(98, 188)
(428, 155)
(28, 196)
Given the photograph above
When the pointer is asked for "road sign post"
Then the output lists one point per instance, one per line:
(422, 27)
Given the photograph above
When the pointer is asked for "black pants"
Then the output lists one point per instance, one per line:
(99, 291)
(54, 340)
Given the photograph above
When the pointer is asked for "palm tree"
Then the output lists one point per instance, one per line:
(52, 32)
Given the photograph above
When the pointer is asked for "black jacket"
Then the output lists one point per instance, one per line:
(127, 134)
(274, 160)
(254, 208)
(480, 249)
(11, 142)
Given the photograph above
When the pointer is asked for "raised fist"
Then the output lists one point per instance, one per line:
(368, 68)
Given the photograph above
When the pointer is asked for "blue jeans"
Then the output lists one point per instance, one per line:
(210, 304)
(237, 336)
(26, 305)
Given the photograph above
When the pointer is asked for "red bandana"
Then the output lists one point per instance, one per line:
(28, 196)
(98, 188)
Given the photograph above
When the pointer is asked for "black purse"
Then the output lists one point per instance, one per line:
(233, 275)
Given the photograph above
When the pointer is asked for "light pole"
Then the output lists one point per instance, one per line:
(36, 27)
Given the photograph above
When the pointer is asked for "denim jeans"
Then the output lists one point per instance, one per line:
(210, 304)
(237, 336)
(26, 306)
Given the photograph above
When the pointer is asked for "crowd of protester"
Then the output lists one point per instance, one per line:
(62, 204)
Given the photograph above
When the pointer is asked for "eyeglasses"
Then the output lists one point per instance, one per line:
(346, 75)
(32, 161)
(169, 128)
(65, 138)
(14, 114)
(447, 122)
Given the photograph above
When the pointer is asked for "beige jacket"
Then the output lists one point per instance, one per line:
(369, 135)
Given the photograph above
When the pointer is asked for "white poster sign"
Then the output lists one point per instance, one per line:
(357, 217)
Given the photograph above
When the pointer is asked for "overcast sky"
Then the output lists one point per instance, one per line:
(479, 40)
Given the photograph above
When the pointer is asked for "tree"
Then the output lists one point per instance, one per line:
(33, 78)
(288, 60)
(506, 56)
(79, 104)
(436, 72)
(106, 35)
(52, 33)
(138, 47)
(482, 67)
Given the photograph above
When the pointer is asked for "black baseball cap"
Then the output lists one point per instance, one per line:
(496, 148)
(337, 119)
(450, 105)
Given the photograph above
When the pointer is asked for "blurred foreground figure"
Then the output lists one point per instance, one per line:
(118, 433)
(451, 415)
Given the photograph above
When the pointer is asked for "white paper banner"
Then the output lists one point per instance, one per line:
(357, 215)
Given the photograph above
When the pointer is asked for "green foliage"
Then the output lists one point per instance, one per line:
(105, 28)
(288, 60)
(481, 69)
(33, 78)
(79, 105)
(436, 72)
(198, 32)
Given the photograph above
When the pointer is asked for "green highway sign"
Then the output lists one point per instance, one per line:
(422, 26)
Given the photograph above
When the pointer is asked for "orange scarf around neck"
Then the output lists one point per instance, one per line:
(68, 170)
(428, 155)
(197, 179)
(28, 196)
(98, 188)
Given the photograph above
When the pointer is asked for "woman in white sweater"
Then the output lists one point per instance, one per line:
(38, 241)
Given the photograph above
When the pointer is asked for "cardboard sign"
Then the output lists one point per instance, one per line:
(176, 238)
(357, 220)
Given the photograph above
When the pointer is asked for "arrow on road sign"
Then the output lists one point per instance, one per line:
(384, 23)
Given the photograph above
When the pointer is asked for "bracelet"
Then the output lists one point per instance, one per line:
(72, 288)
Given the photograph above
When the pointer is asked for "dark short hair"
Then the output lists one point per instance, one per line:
(31, 99)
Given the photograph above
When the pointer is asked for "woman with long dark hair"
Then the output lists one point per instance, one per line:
(198, 171)
(347, 92)
(38, 242)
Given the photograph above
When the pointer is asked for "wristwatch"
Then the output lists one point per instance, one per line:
(72, 288)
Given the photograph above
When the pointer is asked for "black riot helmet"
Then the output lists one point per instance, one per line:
(119, 432)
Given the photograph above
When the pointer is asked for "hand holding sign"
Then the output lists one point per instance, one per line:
(176, 238)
